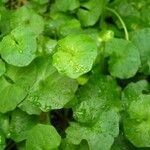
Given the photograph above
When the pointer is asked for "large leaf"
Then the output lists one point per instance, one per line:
(96, 114)
(99, 136)
(99, 93)
(53, 93)
(51, 90)
(75, 55)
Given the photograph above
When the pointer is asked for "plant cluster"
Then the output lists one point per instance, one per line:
(74, 74)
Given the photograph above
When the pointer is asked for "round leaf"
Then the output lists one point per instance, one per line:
(75, 55)
(124, 58)
(17, 48)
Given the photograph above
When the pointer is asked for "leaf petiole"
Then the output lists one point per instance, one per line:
(121, 21)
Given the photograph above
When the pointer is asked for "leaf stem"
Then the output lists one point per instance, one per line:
(121, 21)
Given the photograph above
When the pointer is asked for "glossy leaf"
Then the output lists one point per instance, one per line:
(75, 55)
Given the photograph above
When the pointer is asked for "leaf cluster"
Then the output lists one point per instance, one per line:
(74, 75)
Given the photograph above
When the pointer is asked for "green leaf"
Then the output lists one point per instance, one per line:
(136, 120)
(90, 12)
(15, 86)
(65, 5)
(26, 18)
(72, 26)
(96, 114)
(51, 90)
(99, 136)
(140, 39)
(75, 55)
(124, 58)
(10, 96)
(29, 107)
(18, 48)
(136, 125)
(133, 90)
(43, 137)
(20, 125)
(101, 92)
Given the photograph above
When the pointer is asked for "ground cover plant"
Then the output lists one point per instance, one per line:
(74, 75)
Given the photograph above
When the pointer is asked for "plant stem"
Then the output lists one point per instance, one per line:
(121, 21)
